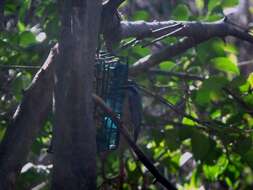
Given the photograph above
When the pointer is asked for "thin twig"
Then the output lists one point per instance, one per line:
(243, 63)
(173, 107)
(243, 104)
(142, 157)
(20, 67)
(180, 75)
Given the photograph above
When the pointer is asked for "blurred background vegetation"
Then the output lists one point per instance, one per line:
(212, 83)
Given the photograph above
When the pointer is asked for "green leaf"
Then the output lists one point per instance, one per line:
(141, 15)
(2, 132)
(248, 99)
(172, 139)
(229, 3)
(200, 145)
(21, 26)
(226, 65)
(243, 145)
(10, 7)
(188, 121)
(200, 4)
(212, 172)
(250, 80)
(141, 51)
(181, 12)
(24, 8)
(212, 4)
(215, 83)
(131, 165)
(20, 83)
(185, 132)
(167, 65)
(248, 158)
(27, 38)
(238, 81)
(203, 97)
(214, 17)
(210, 89)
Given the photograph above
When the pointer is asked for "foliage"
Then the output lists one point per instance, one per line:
(207, 143)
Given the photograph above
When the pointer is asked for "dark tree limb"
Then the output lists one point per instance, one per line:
(196, 33)
(145, 63)
(23, 67)
(110, 21)
(2, 2)
(74, 134)
(26, 123)
(221, 28)
(141, 156)
(113, 4)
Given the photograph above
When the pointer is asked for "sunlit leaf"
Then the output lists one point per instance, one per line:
(167, 65)
(131, 165)
(226, 65)
(140, 15)
(200, 4)
(212, 172)
(212, 4)
(250, 80)
(21, 27)
(229, 3)
(27, 38)
(181, 12)
(210, 89)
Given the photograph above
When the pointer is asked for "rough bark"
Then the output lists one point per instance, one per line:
(221, 28)
(26, 124)
(191, 30)
(2, 2)
(74, 135)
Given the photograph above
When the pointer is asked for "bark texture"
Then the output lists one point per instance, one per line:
(74, 143)
(2, 2)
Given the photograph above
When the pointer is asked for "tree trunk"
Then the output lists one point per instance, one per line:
(2, 2)
(74, 135)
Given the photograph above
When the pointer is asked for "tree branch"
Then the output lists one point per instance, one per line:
(110, 21)
(23, 67)
(2, 2)
(239, 101)
(151, 60)
(113, 4)
(191, 30)
(221, 28)
(26, 123)
(147, 163)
